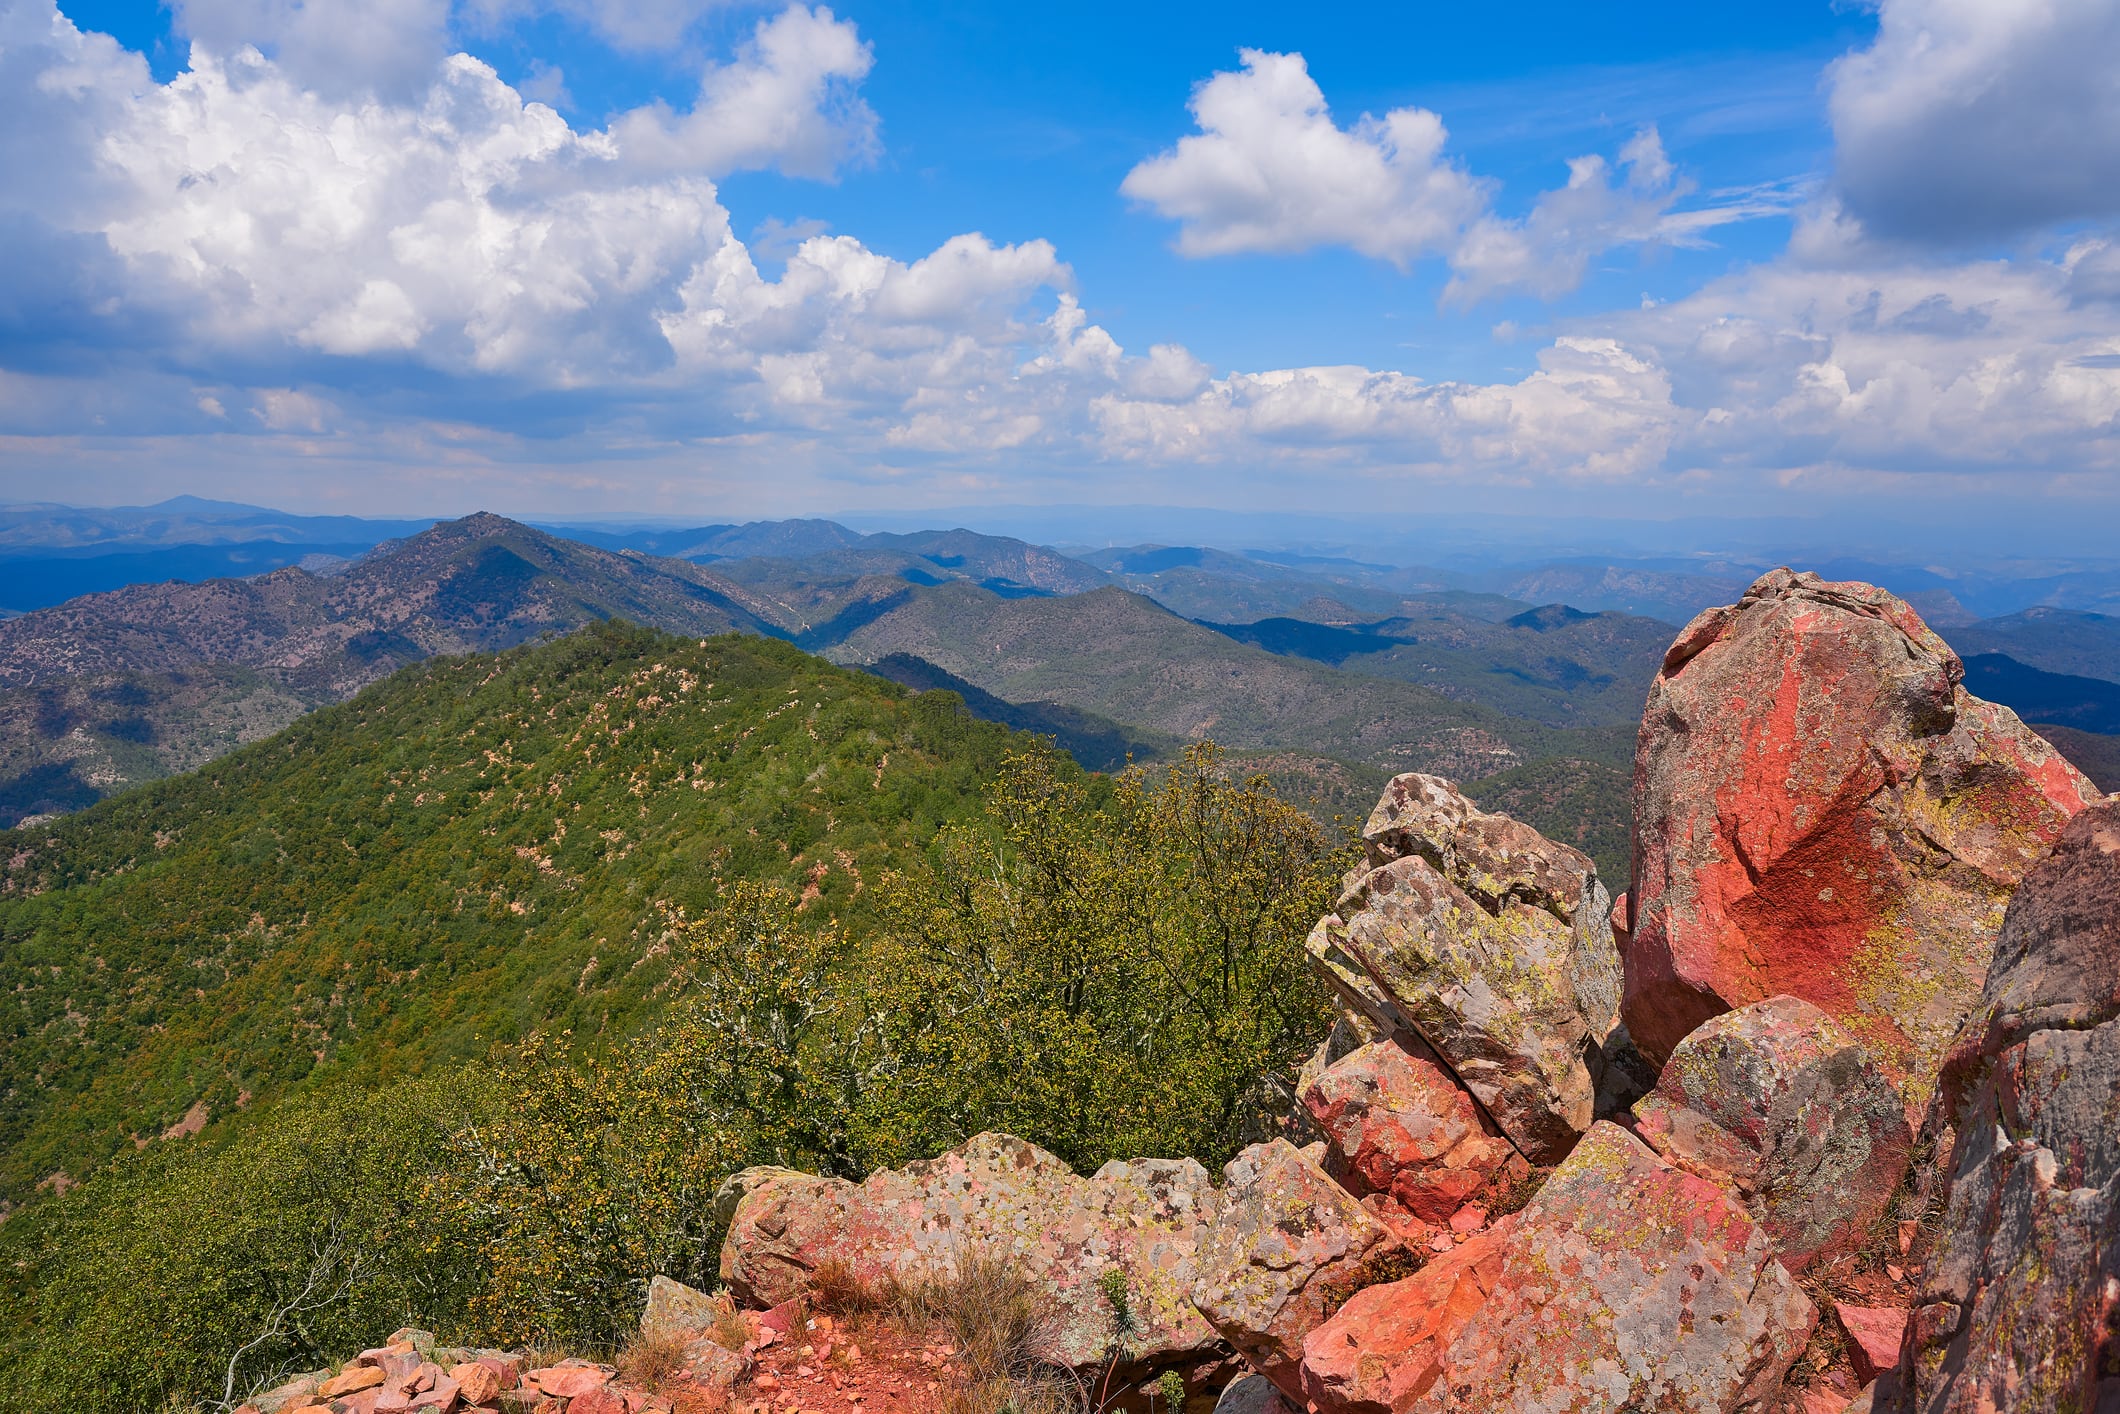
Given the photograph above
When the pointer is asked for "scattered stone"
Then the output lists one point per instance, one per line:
(351, 1379)
(1822, 811)
(290, 1394)
(1783, 1106)
(1399, 1127)
(1623, 1284)
(1289, 1247)
(673, 1306)
(2019, 1304)
(569, 1381)
(1001, 1196)
(1873, 1333)
(1493, 946)
(479, 1382)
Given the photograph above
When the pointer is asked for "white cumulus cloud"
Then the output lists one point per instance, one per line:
(1270, 170)
(788, 100)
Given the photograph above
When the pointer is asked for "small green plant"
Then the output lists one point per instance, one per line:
(1112, 1283)
(1171, 1386)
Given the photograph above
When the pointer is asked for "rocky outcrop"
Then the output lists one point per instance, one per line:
(999, 1196)
(1625, 1284)
(1398, 1129)
(1823, 811)
(1288, 1247)
(2020, 1304)
(1783, 1106)
(1477, 937)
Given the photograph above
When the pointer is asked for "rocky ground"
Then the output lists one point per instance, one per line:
(1822, 1114)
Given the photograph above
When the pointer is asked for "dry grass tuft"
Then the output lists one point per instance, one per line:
(653, 1357)
(1005, 1329)
(729, 1329)
(837, 1289)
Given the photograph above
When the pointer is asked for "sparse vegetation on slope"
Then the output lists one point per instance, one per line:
(191, 660)
(478, 847)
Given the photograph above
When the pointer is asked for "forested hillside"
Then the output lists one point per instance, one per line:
(475, 847)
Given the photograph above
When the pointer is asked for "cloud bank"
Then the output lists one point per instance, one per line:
(410, 261)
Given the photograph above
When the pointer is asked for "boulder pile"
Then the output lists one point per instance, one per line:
(1822, 1118)
(412, 1373)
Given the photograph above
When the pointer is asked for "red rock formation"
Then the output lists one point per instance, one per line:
(1398, 1127)
(1287, 1247)
(1001, 1196)
(1822, 811)
(1473, 935)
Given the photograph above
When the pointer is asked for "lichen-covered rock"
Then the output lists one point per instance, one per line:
(673, 1306)
(1822, 811)
(1254, 1394)
(1288, 1247)
(1382, 1352)
(999, 1196)
(1500, 860)
(2019, 1306)
(1398, 1127)
(1474, 935)
(1782, 1105)
(1624, 1285)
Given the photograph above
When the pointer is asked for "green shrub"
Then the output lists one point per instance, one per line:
(184, 1272)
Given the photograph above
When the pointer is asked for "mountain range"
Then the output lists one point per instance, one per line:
(1117, 652)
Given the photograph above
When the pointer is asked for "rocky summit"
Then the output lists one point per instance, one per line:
(1826, 1120)
(1823, 811)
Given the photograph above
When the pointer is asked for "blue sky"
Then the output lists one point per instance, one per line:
(676, 256)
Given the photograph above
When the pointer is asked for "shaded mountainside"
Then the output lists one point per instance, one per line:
(477, 584)
(113, 689)
(2087, 704)
(1124, 657)
(1098, 743)
(66, 744)
(2052, 640)
(1552, 664)
(475, 847)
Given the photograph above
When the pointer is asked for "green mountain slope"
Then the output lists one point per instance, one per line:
(478, 846)
(189, 662)
(1127, 658)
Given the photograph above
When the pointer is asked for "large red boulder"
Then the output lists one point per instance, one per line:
(1398, 1128)
(1624, 1284)
(1780, 1104)
(1823, 811)
(2019, 1306)
(998, 1197)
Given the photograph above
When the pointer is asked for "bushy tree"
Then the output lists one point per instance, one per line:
(200, 1273)
(1107, 981)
